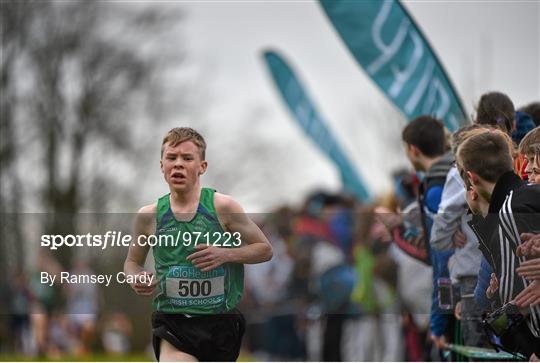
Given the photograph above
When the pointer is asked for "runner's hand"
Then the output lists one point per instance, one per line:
(207, 258)
(143, 286)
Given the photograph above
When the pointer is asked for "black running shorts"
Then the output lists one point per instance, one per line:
(206, 337)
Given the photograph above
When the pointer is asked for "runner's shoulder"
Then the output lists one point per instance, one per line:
(147, 214)
(226, 204)
(148, 209)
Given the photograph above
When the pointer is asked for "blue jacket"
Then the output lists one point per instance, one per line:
(438, 318)
(484, 276)
(524, 124)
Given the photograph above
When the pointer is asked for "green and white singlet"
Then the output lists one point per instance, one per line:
(184, 289)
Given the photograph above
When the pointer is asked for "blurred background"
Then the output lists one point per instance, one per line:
(88, 89)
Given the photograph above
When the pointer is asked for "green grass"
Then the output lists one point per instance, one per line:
(100, 357)
(96, 357)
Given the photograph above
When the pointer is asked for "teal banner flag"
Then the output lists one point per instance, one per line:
(312, 124)
(390, 47)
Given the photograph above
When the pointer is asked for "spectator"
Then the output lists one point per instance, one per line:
(407, 225)
(425, 144)
(82, 307)
(116, 335)
(496, 109)
(527, 151)
(524, 124)
(450, 230)
(374, 333)
(530, 149)
(61, 338)
(19, 310)
(533, 110)
(269, 284)
(508, 206)
(530, 269)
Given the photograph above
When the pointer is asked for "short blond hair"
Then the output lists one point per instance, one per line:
(181, 134)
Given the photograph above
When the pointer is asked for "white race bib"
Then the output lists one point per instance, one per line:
(194, 286)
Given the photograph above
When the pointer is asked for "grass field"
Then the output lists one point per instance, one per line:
(98, 357)
(136, 357)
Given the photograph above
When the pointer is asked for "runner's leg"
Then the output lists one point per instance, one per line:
(168, 353)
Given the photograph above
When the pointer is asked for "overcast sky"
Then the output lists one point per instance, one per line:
(484, 45)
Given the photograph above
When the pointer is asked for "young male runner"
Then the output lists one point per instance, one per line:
(200, 275)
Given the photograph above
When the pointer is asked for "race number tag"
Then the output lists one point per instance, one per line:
(190, 286)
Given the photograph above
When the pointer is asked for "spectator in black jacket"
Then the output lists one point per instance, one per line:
(509, 207)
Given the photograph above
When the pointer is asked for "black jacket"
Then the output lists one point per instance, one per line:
(514, 209)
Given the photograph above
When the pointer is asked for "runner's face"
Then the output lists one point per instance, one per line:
(182, 165)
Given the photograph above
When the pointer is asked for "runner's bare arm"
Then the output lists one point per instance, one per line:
(134, 264)
(255, 246)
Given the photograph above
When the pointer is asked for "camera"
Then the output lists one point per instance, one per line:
(503, 319)
(509, 325)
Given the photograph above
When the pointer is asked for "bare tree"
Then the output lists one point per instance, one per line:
(87, 75)
(14, 32)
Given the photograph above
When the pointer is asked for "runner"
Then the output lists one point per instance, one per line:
(204, 238)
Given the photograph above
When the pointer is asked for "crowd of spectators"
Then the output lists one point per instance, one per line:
(429, 265)
(421, 269)
(60, 321)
